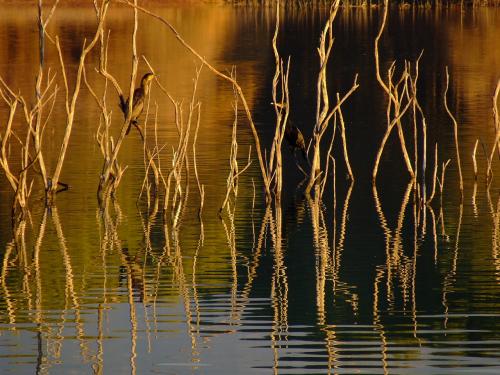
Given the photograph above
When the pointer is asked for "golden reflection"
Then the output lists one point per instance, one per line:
(195, 354)
(201, 241)
(495, 237)
(98, 364)
(496, 240)
(50, 327)
(16, 248)
(255, 261)
(416, 211)
(441, 211)
(111, 240)
(388, 239)
(133, 322)
(70, 287)
(328, 266)
(237, 308)
(176, 262)
(399, 268)
(423, 212)
(38, 278)
(279, 287)
(377, 321)
(328, 261)
(231, 241)
(474, 205)
(434, 233)
(105, 244)
(11, 311)
(331, 348)
(322, 253)
(399, 260)
(52, 349)
(148, 252)
(338, 250)
(449, 278)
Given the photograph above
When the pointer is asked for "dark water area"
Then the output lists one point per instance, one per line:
(363, 282)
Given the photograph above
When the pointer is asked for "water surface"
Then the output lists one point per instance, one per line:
(363, 282)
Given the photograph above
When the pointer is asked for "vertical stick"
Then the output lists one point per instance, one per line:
(344, 142)
(323, 111)
(71, 105)
(417, 109)
(38, 87)
(201, 188)
(394, 99)
(322, 101)
(116, 148)
(239, 90)
(415, 129)
(474, 163)
(42, 24)
(424, 159)
(496, 118)
(434, 176)
(455, 131)
(441, 182)
(281, 109)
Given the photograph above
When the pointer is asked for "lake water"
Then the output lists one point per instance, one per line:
(363, 282)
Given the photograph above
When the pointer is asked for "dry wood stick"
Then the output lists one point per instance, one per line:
(201, 187)
(474, 162)
(344, 142)
(455, 132)
(496, 119)
(393, 96)
(434, 176)
(282, 111)
(265, 176)
(323, 111)
(71, 105)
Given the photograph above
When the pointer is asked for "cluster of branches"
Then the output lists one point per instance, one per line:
(36, 118)
(32, 152)
(316, 176)
(402, 106)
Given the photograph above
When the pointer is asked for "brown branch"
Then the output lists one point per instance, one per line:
(496, 119)
(70, 106)
(455, 132)
(220, 74)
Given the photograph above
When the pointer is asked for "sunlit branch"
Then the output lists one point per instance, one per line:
(455, 133)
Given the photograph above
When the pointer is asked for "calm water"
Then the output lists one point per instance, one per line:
(362, 283)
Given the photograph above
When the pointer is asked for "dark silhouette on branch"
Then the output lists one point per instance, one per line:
(295, 139)
(140, 94)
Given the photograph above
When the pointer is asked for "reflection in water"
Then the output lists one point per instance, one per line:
(279, 287)
(162, 268)
(397, 266)
(359, 281)
(329, 266)
(495, 216)
(130, 270)
(451, 274)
